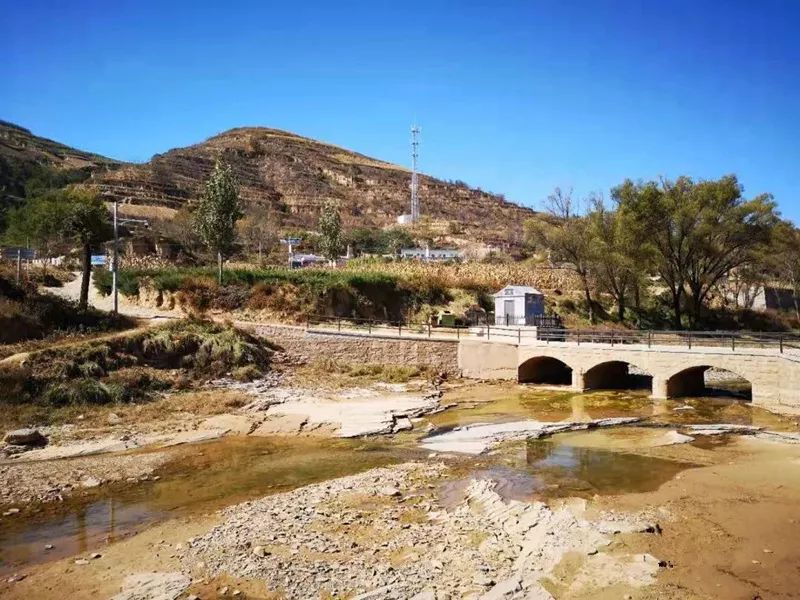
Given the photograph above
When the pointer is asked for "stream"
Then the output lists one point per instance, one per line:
(201, 478)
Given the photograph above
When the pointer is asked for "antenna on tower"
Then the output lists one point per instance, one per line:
(415, 130)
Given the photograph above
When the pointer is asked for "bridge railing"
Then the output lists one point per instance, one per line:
(783, 342)
(788, 343)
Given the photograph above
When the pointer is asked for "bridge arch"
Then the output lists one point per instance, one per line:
(544, 369)
(616, 375)
(694, 381)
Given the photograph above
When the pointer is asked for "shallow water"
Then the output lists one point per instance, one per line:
(202, 478)
(199, 479)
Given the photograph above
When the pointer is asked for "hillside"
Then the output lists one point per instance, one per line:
(292, 177)
(24, 155)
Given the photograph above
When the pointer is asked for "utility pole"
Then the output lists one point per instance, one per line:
(115, 257)
(114, 262)
(19, 264)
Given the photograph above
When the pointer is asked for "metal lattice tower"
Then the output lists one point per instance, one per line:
(414, 177)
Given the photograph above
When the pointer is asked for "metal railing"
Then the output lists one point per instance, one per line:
(548, 321)
(782, 342)
(689, 339)
(386, 327)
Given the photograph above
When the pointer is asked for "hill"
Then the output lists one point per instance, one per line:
(291, 177)
(29, 163)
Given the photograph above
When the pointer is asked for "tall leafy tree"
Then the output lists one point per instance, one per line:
(620, 259)
(70, 216)
(217, 212)
(330, 229)
(87, 224)
(698, 233)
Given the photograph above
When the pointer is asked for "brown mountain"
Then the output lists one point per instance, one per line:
(24, 155)
(292, 177)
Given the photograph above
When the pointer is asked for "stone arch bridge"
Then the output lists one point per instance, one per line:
(675, 370)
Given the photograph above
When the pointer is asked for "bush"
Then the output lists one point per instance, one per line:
(133, 366)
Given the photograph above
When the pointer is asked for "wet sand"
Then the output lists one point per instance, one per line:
(727, 506)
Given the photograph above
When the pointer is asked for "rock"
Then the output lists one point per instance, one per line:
(152, 586)
(114, 419)
(96, 555)
(11, 511)
(402, 424)
(25, 437)
(260, 551)
(49, 547)
(81, 561)
(390, 491)
(91, 482)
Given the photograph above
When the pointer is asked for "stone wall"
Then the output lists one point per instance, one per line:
(440, 355)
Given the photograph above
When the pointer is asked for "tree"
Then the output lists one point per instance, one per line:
(395, 239)
(257, 233)
(782, 259)
(566, 236)
(330, 229)
(40, 223)
(698, 233)
(72, 214)
(217, 213)
(620, 259)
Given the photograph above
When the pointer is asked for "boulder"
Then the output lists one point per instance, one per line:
(25, 437)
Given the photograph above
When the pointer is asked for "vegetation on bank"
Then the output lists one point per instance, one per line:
(26, 315)
(289, 293)
(130, 367)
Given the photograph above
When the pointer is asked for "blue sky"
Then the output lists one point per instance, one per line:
(514, 97)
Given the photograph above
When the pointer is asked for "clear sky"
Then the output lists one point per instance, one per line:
(514, 97)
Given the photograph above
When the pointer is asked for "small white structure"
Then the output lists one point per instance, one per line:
(518, 305)
(427, 254)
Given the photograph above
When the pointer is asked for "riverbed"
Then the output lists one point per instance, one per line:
(696, 492)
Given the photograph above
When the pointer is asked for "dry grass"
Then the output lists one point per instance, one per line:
(155, 414)
(331, 374)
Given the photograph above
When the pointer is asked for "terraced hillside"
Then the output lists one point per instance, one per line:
(293, 176)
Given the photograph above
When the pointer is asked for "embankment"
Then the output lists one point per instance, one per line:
(438, 355)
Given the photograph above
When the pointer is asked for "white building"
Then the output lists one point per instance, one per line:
(518, 305)
(430, 255)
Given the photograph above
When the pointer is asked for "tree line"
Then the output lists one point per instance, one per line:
(681, 241)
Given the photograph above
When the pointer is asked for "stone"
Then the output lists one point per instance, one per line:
(25, 437)
(114, 419)
(390, 491)
(81, 561)
(91, 482)
(260, 551)
(153, 586)
(96, 555)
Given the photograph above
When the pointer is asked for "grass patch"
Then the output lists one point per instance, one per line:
(131, 367)
(340, 374)
(27, 315)
(292, 293)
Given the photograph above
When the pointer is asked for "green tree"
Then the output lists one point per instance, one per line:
(781, 259)
(698, 233)
(620, 259)
(391, 241)
(565, 234)
(40, 223)
(330, 229)
(87, 224)
(217, 212)
(62, 217)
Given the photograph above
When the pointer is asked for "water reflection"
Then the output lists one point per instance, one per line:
(200, 478)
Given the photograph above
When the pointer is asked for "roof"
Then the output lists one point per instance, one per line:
(518, 290)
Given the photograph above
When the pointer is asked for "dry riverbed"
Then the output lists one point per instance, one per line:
(467, 504)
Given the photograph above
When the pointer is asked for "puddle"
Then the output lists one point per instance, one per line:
(200, 479)
(546, 469)
(505, 403)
